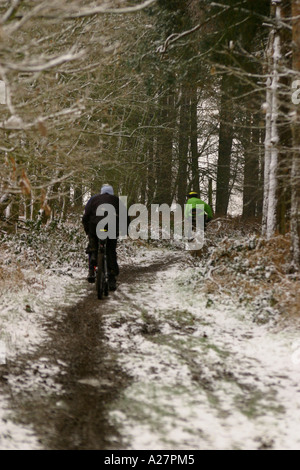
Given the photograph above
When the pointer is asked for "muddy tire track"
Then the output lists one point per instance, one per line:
(65, 389)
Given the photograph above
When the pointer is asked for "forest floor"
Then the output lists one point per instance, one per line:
(191, 352)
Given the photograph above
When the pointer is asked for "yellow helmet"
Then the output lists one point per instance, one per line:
(193, 194)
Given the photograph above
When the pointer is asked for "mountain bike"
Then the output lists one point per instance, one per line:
(102, 286)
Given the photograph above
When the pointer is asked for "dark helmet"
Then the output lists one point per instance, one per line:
(192, 194)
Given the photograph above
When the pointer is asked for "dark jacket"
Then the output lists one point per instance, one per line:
(90, 219)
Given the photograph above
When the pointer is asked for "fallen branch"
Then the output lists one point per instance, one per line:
(38, 67)
(103, 10)
(210, 278)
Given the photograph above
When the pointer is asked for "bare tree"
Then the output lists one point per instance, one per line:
(295, 227)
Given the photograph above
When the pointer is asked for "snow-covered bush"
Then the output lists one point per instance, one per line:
(50, 247)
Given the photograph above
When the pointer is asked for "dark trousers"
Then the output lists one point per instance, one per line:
(194, 221)
(111, 248)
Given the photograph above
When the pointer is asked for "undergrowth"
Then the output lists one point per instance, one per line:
(237, 261)
(58, 247)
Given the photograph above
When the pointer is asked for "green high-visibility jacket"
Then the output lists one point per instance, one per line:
(192, 204)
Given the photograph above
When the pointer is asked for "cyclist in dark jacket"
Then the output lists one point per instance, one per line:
(90, 221)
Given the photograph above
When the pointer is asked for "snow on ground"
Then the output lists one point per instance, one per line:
(205, 376)
(24, 312)
(39, 268)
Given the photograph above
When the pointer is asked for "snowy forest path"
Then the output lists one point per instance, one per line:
(159, 364)
(64, 389)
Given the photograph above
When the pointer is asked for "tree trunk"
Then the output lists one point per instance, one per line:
(5, 200)
(165, 151)
(272, 133)
(78, 196)
(260, 198)
(142, 174)
(150, 172)
(14, 211)
(284, 127)
(194, 140)
(66, 201)
(210, 192)
(251, 168)
(267, 160)
(225, 147)
(183, 147)
(295, 219)
(273, 181)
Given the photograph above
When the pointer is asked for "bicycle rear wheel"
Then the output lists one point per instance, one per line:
(106, 289)
(100, 276)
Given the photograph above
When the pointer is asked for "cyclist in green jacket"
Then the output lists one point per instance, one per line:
(190, 209)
